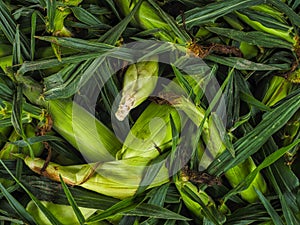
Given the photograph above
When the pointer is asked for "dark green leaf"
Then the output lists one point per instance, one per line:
(86, 17)
(272, 212)
(46, 212)
(267, 162)
(211, 12)
(120, 207)
(254, 140)
(16, 117)
(258, 38)
(112, 36)
(292, 15)
(253, 101)
(36, 139)
(72, 202)
(243, 64)
(17, 206)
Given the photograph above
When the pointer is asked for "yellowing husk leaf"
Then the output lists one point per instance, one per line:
(119, 179)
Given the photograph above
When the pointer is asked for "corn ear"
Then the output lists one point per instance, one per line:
(238, 173)
(67, 218)
(119, 179)
(261, 22)
(215, 146)
(139, 82)
(182, 183)
(151, 134)
(270, 11)
(147, 18)
(81, 129)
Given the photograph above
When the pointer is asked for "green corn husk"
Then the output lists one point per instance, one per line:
(248, 51)
(278, 89)
(151, 134)
(238, 173)
(67, 218)
(269, 23)
(182, 184)
(82, 130)
(270, 11)
(119, 179)
(147, 18)
(139, 82)
(215, 146)
(9, 149)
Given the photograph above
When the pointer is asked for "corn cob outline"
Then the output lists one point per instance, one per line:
(134, 92)
(98, 148)
(121, 184)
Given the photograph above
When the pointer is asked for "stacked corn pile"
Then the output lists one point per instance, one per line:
(149, 112)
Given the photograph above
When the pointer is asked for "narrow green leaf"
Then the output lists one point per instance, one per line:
(272, 158)
(158, 195)
(183, 82)
(14, 221)
(36, 139)
(32, 37)
(78, 44)
(112, 36)
(18, 207)
(9, 27)
(154, 211)
(288, 214)
(208, 211)
(283, 7)
(258, 38)
(253, 101)
(86, 17)
(46, 64)
(243, 64)
(17, 57)
(180, 33)
(120, 207)
(51, 11)
(225, 136)
(272, 212)
(113, 8)
(209, 13)
(174, 151)
(16, 117)
(72, 201)
(254, 140)
(46, 212)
